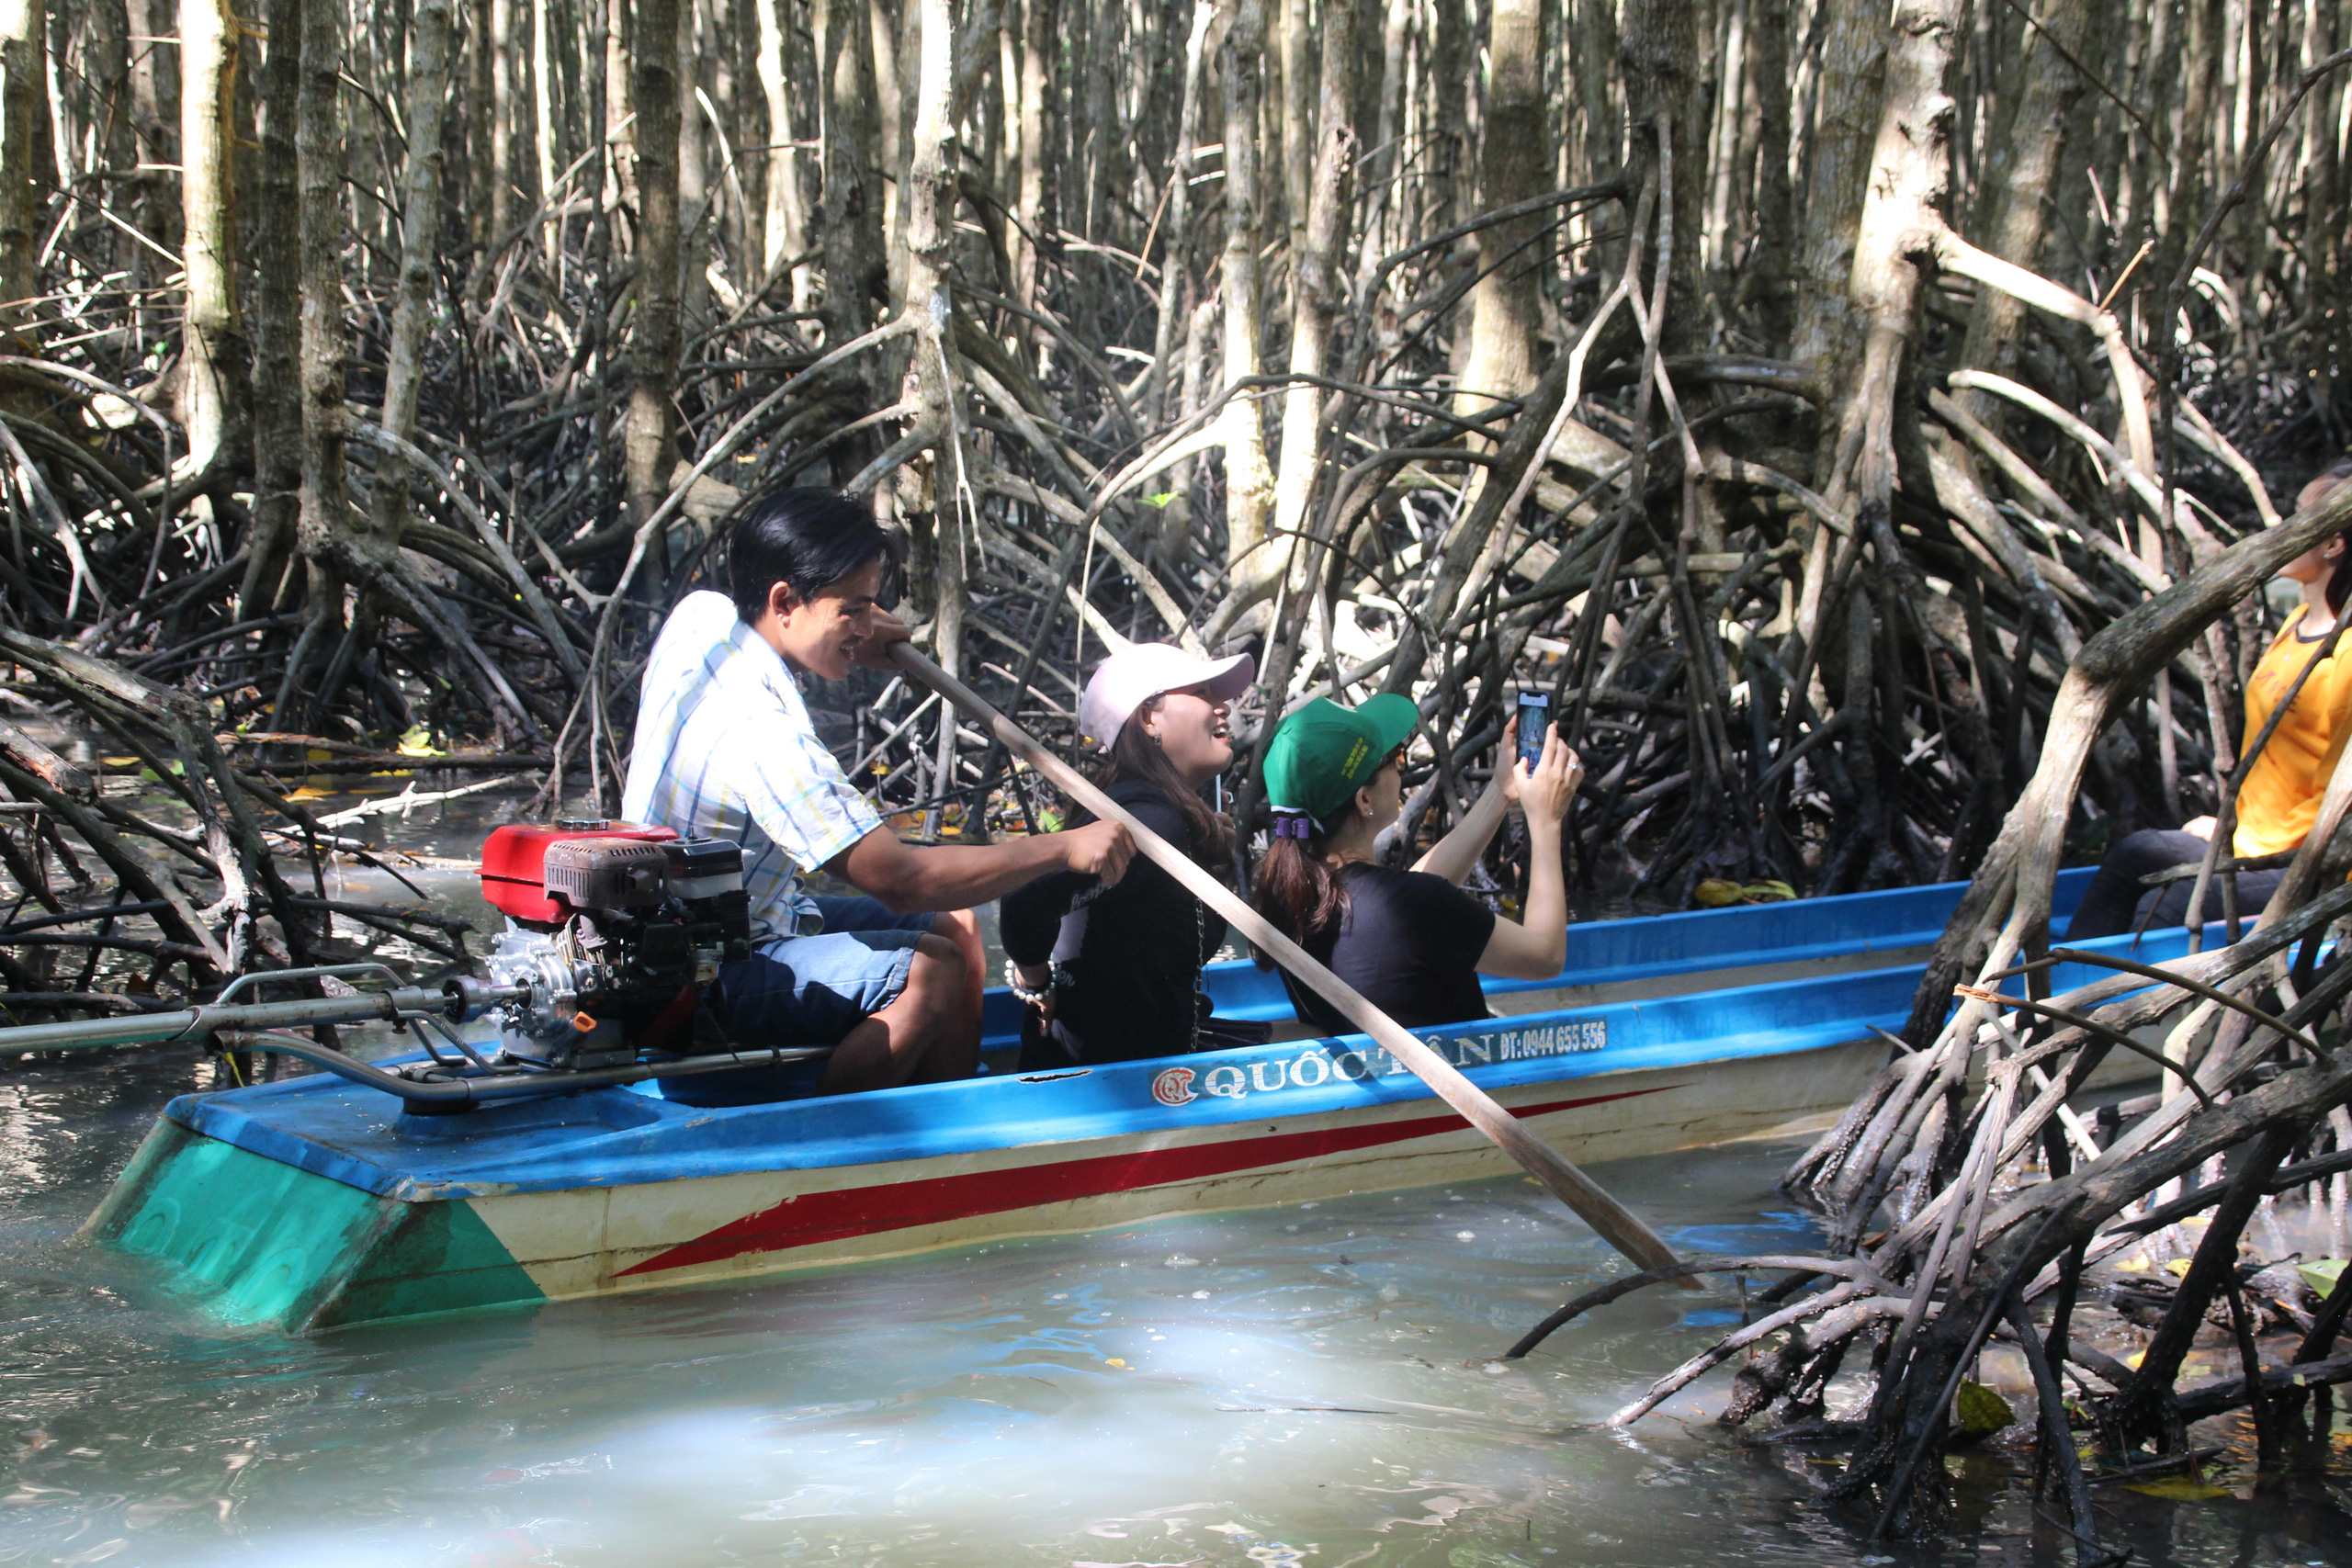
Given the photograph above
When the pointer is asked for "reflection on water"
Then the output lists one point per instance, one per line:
(1312, 1387)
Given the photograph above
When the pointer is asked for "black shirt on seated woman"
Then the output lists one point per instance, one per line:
(1411, 942)
(1126, 959)
(1408, 942)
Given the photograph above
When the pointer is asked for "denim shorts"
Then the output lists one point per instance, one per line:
(801, 990)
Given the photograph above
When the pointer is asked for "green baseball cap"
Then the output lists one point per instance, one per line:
(1324, 753)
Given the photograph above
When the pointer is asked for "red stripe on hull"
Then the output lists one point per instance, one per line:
(811, 1218)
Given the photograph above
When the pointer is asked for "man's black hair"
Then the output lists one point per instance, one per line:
(807, 538)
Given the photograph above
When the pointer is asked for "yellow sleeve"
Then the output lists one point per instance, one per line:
(2339, 714)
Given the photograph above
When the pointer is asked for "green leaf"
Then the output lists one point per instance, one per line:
(2320, 1273)
(1161, 500)
(1981, 1411)
(2179, 1488)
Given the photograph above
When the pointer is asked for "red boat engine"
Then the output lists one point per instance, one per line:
(614, 929)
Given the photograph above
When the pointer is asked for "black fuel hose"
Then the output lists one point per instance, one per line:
(483, 1088)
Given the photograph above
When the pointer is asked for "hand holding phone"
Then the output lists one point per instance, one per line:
(1534, 723)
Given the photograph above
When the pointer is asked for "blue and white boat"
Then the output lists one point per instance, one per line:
(315, 1203)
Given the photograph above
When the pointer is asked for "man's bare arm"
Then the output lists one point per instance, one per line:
(910, 878)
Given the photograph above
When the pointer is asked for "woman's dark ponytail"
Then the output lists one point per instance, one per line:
(1294, 888)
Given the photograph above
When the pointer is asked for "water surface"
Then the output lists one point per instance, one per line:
(1314, 1386)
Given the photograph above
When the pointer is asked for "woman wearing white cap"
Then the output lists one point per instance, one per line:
(1113, 975)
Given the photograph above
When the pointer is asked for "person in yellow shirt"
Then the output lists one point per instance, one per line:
(2280, 799)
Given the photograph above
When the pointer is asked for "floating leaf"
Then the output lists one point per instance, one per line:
(2322, 1273)
(1766, 892)
(1717, 893)
(1161, 500)
(2180, 1488)
(1981, 1411)
(418, 742)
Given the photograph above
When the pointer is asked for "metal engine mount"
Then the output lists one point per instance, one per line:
(612, 930)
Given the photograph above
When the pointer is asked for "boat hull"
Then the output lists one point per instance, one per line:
(313, 1203)
(262, 1240)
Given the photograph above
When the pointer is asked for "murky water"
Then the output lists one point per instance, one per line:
(1312, 1386)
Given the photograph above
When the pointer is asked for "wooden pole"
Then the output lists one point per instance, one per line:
(1619, 1226)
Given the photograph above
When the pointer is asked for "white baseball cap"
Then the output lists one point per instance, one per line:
(1142, 671)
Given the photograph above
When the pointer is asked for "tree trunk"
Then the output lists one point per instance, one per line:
(327, 533)
(1386, 219)
(1512, 165)
(653, 339)
(696, 208)
(2021, 168)
(1296, 120)
(1248, 478)
(23, 120)
(1106, 170)
(930, 200)
(620, 129)
(420, 236)
(1174, 276)
(783, 222)
(1664, 95)
(215, 385)
(851, 206)
(1765, 279)
(1039, 38)
(479, 164)
(278, 444)
(895, 59)
(1900, 222)
(110, 66)
(1854, 65)
(1448, 159)
(2200, 67)
(154, 102)
(542, 111)
(1848, 100)
(501, 119)
(1314, 265)
(542, 102)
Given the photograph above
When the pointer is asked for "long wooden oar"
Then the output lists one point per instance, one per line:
(1619, 1226)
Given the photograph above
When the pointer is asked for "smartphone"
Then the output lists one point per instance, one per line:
(1534, 721)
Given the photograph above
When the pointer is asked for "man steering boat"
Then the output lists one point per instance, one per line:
(725, 748)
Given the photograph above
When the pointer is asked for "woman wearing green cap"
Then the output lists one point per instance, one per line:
(1411, 941)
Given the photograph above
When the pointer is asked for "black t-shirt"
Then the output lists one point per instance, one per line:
(1131, 989)
(1409, 943)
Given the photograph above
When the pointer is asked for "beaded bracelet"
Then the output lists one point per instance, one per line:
(1012, 983)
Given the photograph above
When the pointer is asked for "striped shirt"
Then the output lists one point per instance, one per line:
(725, 750)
